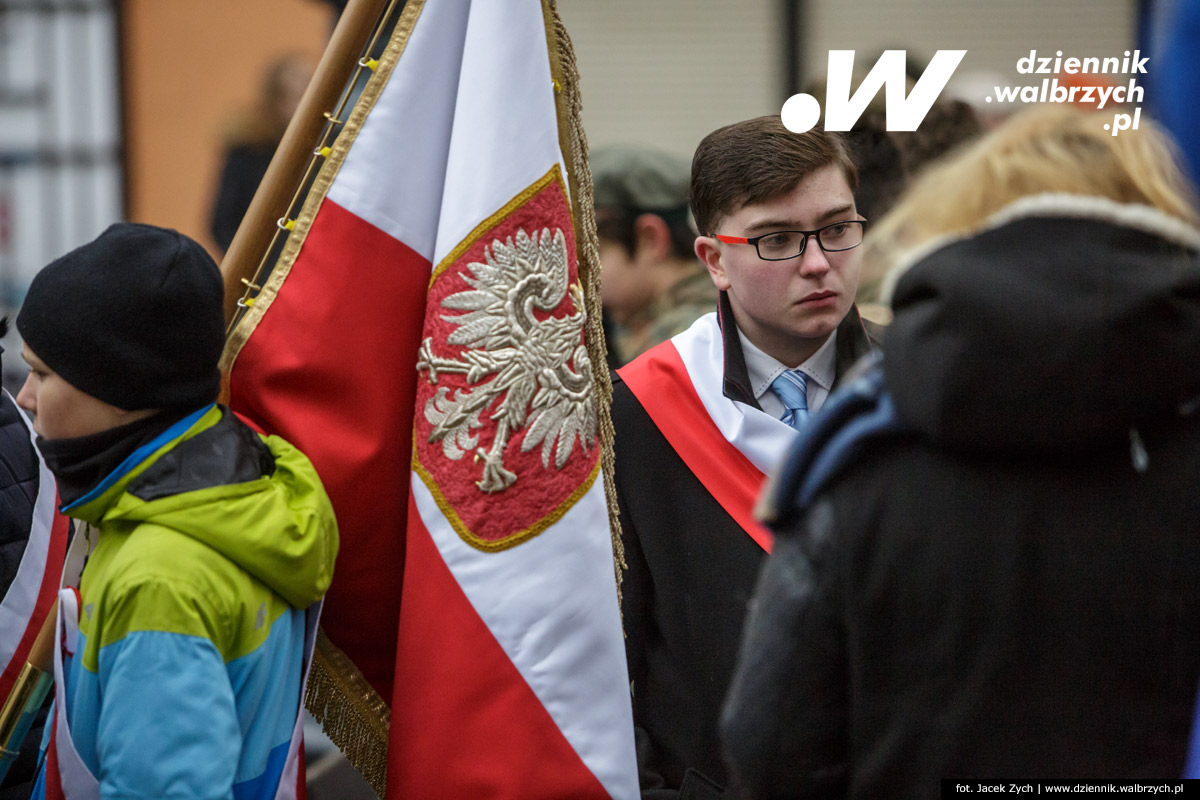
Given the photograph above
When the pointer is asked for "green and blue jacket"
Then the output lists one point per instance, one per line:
(186, 678)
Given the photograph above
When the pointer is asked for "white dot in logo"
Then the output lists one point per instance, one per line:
(800, 113)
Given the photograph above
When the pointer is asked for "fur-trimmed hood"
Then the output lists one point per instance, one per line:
(1059, 328)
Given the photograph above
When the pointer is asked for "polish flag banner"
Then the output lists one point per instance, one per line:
(423, 338)
(33, 590)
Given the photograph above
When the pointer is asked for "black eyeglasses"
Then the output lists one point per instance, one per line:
(782, 245)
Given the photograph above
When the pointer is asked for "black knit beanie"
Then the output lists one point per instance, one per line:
(134, 318)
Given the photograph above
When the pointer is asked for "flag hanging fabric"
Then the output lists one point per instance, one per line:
(422, 339)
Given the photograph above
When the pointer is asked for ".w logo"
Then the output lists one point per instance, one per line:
(802, 112)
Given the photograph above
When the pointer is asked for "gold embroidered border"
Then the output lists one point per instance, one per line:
(553, 175)
(329, 170)
(495, 546)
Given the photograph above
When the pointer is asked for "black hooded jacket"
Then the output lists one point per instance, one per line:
(1007, 587)
(18, 491)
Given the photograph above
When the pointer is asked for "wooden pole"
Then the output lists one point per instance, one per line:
(29, 691)
(295, 150)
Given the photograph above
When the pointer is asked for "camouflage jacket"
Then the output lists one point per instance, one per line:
(670, 313)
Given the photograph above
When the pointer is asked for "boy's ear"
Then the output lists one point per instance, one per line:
(708, 250)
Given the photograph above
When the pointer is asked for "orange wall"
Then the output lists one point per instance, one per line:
(188, 69)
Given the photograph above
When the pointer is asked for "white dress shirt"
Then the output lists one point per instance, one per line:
(821, 369)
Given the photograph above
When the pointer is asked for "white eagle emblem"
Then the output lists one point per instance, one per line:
(539, 365)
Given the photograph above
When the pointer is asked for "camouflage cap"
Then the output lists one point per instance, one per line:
(637, 177)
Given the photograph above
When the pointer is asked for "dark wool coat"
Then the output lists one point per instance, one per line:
(18, 491)
(1010, 591)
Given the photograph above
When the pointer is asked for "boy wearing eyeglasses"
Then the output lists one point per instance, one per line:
(702, 418)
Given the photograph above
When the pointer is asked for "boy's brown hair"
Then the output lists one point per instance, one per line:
(757, 160)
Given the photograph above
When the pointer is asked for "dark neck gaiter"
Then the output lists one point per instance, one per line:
(81, 463)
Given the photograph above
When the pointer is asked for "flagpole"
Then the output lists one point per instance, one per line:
(349, 710)
(286, 172)
(28, 693)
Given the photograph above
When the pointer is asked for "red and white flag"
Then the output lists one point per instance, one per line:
(33, 590)
(422, 340)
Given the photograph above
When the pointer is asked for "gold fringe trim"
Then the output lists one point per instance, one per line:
(353, 715)
(573, 142)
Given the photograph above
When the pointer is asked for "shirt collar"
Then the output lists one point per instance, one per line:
(762, 369)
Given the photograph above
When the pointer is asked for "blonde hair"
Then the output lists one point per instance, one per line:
(1047, 149)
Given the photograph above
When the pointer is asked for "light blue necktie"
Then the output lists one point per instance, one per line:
(792, 388)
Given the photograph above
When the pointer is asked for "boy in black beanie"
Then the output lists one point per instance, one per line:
(181, 669)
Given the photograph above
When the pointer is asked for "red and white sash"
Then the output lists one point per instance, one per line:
(729, 446)
(31, 594)
(67, 777)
